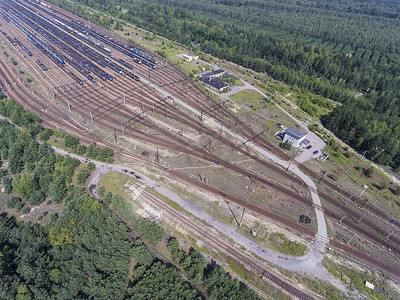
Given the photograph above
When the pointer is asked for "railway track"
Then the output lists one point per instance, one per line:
(229, 249)
(202, 102)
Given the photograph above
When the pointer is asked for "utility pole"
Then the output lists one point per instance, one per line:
(362, 173)
(259, 226)
(323, 174)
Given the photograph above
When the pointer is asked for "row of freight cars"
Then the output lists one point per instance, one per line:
(84, 31)
(77, 61)
(80, 63)
(64, 42)
(15, 42)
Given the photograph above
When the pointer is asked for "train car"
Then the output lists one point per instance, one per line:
(44, 68)
(91, 78)
(125, 63)
(137, 60)
(108, 76)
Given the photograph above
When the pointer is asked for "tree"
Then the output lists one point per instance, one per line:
(12, 202)
(71, 141)
(45, 134)
(91, 166)
(141, 254)
(80, 149)
(286, 145)
(173, 247)
(92, 151)
(82, 176)
(7, 185)
(23, 293)
(58, 189)
(24, 185)
(36, 198)
(15, 163)
(370, 172)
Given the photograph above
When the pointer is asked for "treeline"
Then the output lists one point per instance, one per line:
(331, 48)
(86, 253)
(209, 277)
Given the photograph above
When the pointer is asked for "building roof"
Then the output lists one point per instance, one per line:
(191, 55)
(294, 133)
(213, 73)
(305, 142)
(213, 83)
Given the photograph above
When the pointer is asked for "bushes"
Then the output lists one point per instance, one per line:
(7, 185)
(370, 172)
(37, 198)
(286, 145)
(71, 141)
(45, 134)
(82, 176)
(12, 202)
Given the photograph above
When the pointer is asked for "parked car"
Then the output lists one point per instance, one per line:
(308, 147)
(315, 152)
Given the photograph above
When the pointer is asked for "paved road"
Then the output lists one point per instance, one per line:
(322, 235)
(315, 141)
(322, 232)
(310, 263)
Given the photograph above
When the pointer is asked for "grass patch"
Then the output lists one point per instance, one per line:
(279, 242)
(247, 97)
(115, 183)
(356, 278)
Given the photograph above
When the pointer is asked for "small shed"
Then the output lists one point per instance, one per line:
(369, 285)
(305, 219)
(294, 136)
(190, 57)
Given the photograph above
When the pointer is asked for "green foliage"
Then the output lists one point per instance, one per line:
(101, 191)
(13, 61)
(68, 166)
(12, 202)
(91, 166)
(149, 230)
(7, 184)
(80, 149)
(45, 134)
(15, 162)
(141, 254)
(23, 293)
(3, 172)
(160, 282)
(10, 108)
(92, 151)
(71, 141)
(209, 276)
(286, 145)
(36, 198)
(25, 210)
(370, 172)
(104, 154)
(58, 189)
(24, 185)
(82, 176)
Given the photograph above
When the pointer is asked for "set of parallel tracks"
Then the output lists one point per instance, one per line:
(227, 248)
(202, 102)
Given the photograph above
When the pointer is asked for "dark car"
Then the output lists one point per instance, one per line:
(308, 147)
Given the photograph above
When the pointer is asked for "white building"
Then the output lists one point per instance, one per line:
(190, 57)
(294, 136)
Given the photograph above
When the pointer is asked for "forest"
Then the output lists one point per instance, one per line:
(334, 48)
(87, 252)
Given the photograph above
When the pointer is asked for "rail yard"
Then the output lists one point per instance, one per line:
(104, 89)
